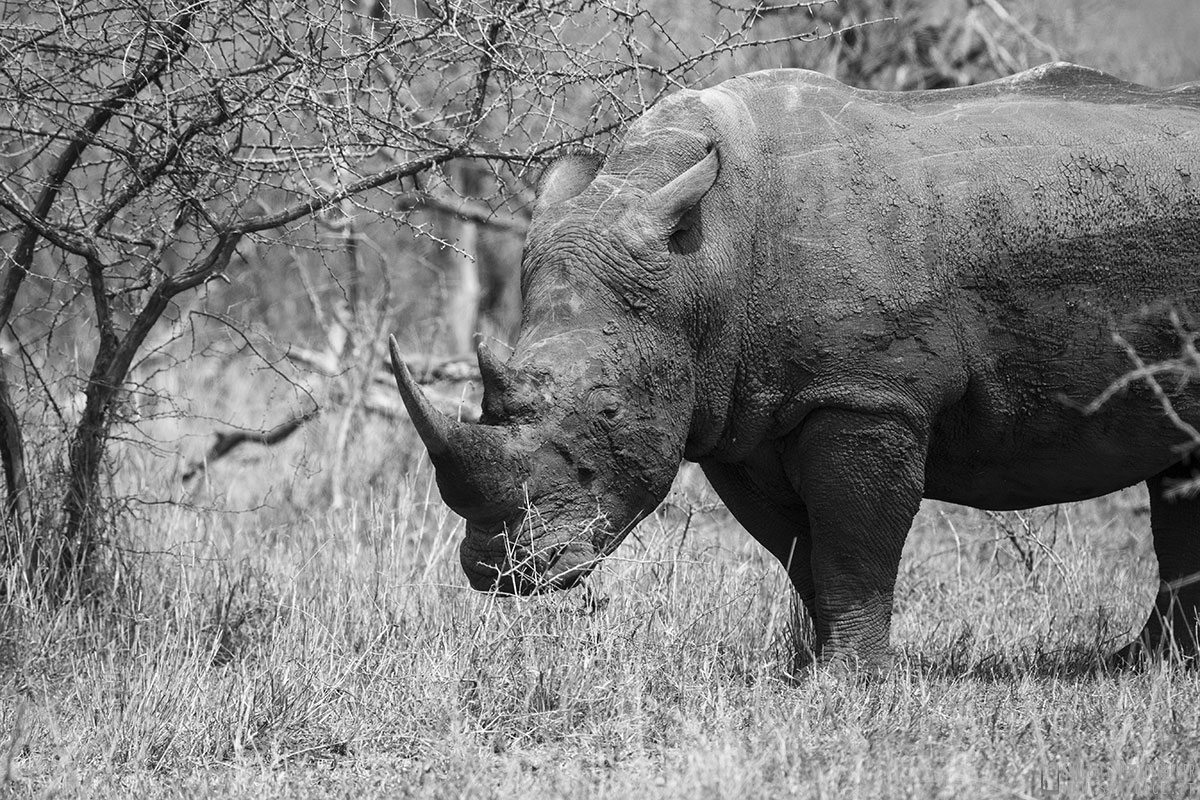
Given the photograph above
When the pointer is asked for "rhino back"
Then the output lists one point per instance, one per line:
(932, 191)
(969, 253)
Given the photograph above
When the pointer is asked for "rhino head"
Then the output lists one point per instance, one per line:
(584, 427)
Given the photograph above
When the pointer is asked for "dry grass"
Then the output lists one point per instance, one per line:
(288, 650)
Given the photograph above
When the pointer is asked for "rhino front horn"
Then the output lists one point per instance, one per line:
(432, 425)
(480, 468)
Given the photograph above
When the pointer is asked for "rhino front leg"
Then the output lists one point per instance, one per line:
(1175, 524)
(765, 504)
(861, 477)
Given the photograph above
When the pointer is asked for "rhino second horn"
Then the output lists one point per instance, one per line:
(495, 372)
(432, 425)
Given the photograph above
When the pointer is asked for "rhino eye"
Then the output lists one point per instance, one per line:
(607, 406)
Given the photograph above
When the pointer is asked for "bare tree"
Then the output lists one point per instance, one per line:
(147, 145)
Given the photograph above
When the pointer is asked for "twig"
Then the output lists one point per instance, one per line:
(1146, 373)
(468, 210)
(426, 368)
(228, 441)
(1002, 12)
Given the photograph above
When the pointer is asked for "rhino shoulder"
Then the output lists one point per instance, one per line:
(683, 125)
(767, 79)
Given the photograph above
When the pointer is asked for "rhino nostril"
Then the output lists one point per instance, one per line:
(585, 474)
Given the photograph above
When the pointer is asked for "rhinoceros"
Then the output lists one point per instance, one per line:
(838, 302)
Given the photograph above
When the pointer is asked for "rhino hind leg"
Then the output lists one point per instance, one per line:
(1171, 630)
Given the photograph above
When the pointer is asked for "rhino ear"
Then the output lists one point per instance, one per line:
(667, 207)
(564, 178)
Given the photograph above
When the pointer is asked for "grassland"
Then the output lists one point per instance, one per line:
(255, 642)
(259, 644)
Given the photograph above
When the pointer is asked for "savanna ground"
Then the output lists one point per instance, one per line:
(256, 642)
(286, 650)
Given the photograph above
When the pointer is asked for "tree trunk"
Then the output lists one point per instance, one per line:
(463, 285)
(114, 357)
(86, 453)
(82, 501)
(17, 517)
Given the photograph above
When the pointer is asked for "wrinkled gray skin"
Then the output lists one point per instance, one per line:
(839, 302)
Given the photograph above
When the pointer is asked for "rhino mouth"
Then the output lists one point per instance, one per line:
(493, 563)
(552, 568)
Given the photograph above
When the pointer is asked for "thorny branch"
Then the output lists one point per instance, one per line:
(1185, 367)
(175, 42)
(150, 141)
